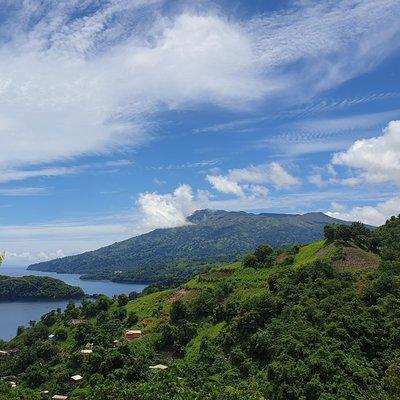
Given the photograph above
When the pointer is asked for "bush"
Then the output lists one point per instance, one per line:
(263, 253)
(250, 261)
(122, 300)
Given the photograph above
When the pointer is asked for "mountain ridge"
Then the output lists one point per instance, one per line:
(212, 236)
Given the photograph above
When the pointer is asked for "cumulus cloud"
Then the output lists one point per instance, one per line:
(240, 181)
(78, 79)
(376, 159)
(225, 184)
(168, 210)
(372, 215)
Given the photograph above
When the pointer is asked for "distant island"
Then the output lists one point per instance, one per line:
(209, 238)
(37, 287)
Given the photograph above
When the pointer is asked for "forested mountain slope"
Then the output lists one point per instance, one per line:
(211, 236)
(310, 322)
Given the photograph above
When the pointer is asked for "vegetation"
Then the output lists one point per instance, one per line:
(168, 256)
(289, 325)
(36, 287)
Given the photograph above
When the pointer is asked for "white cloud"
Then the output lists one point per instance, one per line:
(30, 243)
(258, 190)
(23, 191)
(332, 40)
(280, 178)
(376, 159)
(18, 175)
(168, 210)
(77, 99)
(327, 134)
(238, 181)
(372, 215)
(319, 180)
(225, 184)
(76, 85)
(9, 175)
(28, 257)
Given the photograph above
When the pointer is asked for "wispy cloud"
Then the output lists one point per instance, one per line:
(189, 165)
(18, 175)
(327, 134)
(98, 77)
(48, 239)
(9, 175)
(23, 191)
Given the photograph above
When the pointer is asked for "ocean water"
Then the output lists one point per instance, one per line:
(16, 313)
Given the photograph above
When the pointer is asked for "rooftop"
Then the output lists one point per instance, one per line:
(133, 332)
(158, 366)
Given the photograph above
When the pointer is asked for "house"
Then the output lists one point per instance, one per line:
(116, 343)
(3, 353)
(132, 334)
(45, 394)
(86, 352)
(76, 322)
(158, 366)
(12, 384)
(76, 379)
(89, 346)
(59, 397)
(52, 338)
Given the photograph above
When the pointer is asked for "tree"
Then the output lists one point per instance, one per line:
(263, 253)
(178, 312)
(132, 319)
(35, 375)
(122, 300)
(330, 232)
(61, 333)
(250, 261)
(103, 302)
(343, 233)
(133, 295)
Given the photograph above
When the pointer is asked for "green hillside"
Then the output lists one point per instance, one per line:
(36, 287)
(178, 253)
(308, 323)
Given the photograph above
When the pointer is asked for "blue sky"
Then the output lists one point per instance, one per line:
(119, 117)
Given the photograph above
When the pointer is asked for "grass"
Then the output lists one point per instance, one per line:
(309, 253)
(151, 309)
(207, 330)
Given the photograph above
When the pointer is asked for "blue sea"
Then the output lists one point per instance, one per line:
(16, 313)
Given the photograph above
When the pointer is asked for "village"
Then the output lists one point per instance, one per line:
(87, 351)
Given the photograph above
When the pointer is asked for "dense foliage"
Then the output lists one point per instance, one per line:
(385, 240)
(293, 327)
(211, 237)
(36, 287)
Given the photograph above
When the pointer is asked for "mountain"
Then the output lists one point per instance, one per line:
(209, 237)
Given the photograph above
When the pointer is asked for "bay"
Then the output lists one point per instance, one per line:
(16, 313)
